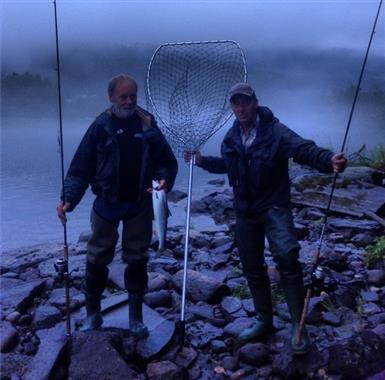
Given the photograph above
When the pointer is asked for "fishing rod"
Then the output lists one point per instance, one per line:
(62, 264)
(318, 251)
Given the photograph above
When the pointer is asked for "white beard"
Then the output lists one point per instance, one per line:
(121, 112)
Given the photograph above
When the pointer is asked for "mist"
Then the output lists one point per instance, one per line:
(302, 57)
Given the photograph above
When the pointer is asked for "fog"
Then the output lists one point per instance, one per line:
(303, 57)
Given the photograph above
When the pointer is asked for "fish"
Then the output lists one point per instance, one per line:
(161, 214)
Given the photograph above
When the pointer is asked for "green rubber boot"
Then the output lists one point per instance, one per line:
(95, 282)
(137, 327)
(263, 307)
(94, 317)
(293, 290)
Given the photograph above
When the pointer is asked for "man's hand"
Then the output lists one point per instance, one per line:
(339, 162)
(61, 210)
(162, 186)
(187, 154)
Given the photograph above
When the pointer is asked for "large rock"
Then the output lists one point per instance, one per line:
(158, 298)
(161, 331)
(52, 343)
(362, 174)
(351, 226)
(106, 363)
(9, 337)
(200, 333)
(358, 356)
(363, 239)
(376, 277)
(17, 294)
(14, 365)
(20, 259)
(201, 287)
(198, 207)
(232, 308)
(46, 316)
(157, 281)
(233, 329)
(165, 370)
(289, 366)
(254, 354)
(57, 298)
(176, 196)
(186, 357)
(202, 310)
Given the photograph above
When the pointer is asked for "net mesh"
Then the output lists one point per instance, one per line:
(187, 89)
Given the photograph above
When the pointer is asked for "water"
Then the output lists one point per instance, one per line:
(31, 181)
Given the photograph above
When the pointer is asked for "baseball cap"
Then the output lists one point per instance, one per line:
(241, 89)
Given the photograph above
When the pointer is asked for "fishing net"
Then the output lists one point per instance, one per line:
(187, 89)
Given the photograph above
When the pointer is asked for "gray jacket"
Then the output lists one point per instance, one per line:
(259, 174)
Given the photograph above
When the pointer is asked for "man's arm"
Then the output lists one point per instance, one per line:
(306, 152)
(216, 165)
(79, 174)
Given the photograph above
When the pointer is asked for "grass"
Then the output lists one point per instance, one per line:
(276, 293)
(360, 310)
(242, 292)
(375, 253)
(374, 159)
(329, 305)
(236, 270)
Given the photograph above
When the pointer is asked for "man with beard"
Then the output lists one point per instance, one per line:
(121, 153)
(255, 154)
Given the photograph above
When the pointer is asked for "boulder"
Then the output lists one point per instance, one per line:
(358, 356)
(200, 333)
(232, 308)
(52, 343)
(201, 287)
(376, 277)
(46, 316)
(233, 329)
(254, 354)
(165, 370)
(158, 298)
(9, 337)
(157, 281)
(102, 347)
(14, 365)
(186, 357)
(175, 196)
(17, 294)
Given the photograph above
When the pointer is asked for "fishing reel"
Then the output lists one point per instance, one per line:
(322, 279)
(61, 267)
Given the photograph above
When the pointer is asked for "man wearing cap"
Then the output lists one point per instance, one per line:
(255, 154)
(121, 153)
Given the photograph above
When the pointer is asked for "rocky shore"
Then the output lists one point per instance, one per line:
(346, 318)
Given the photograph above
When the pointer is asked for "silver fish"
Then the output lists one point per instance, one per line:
(161, 214)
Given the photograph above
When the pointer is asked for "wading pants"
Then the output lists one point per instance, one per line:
(277, 224)
(136, 238)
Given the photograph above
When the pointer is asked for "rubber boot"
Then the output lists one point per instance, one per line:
(263, 307)
(95, 282)
(293, 290)
(137, 328)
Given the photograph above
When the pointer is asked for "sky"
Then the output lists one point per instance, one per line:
(28, 26)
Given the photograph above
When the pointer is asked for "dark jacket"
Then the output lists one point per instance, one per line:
(96, 161)
(259, 174)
